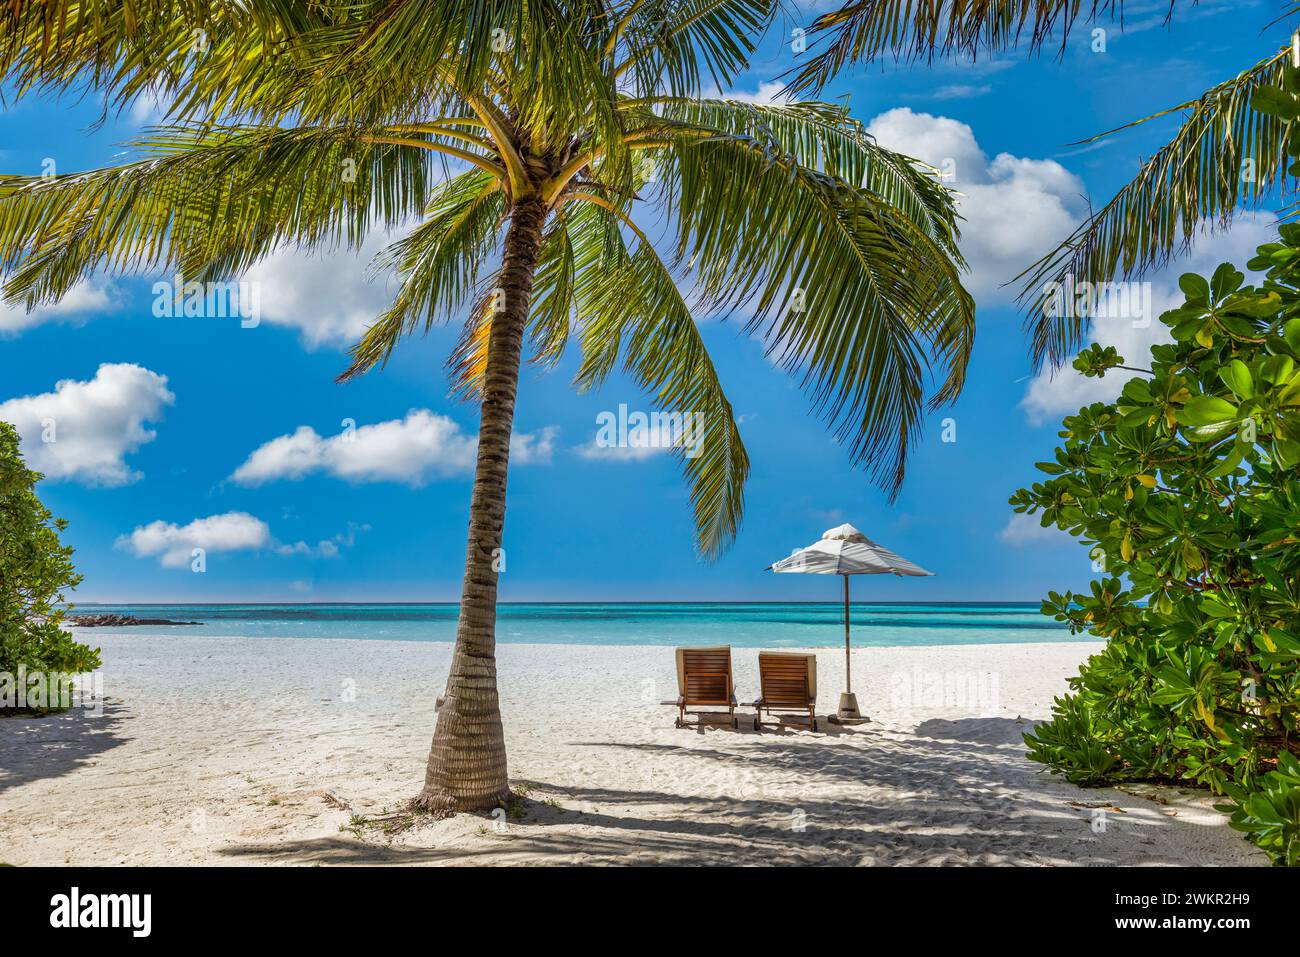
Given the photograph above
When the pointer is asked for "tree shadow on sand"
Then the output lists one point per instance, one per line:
(967, 797)
(35, 748)
(996, 731)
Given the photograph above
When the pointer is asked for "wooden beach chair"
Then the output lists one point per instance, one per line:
(788, 683)
(704, 684)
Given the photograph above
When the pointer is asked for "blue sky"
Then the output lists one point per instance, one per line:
(155, 417)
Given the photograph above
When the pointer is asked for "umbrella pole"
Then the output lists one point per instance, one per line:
(848, 661)
(848, 712)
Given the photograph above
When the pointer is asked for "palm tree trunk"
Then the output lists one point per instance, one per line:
(467, 762)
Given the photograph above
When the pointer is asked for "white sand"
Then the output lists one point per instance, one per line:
(231, 751)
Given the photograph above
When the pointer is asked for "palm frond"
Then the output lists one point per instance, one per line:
(823, 137)
(864, 30)
(124, 48)
(1225, 154)
(553, 295)
(630, 305)
(467, 363)
(665, 42)
(850, 293)
(209, 201)
(439, 264)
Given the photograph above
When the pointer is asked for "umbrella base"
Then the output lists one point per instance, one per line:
(848, 713)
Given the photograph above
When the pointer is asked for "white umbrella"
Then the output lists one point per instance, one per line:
(846, 551)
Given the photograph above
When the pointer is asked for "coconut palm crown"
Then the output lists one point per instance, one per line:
(551, 170)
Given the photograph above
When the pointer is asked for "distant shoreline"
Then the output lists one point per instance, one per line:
(830, 646)
(296, 604)
(698, 624)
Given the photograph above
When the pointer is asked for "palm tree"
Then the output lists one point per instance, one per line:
(1230, 151)
(553, 125)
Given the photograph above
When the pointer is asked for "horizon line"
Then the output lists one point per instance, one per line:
(682, 601)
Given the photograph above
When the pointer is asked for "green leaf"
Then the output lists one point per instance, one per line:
(1229, 464)
(1203, 410)
(35, 571)
(1216, 609)
(1291, 333)
(1194, 287)
(1277, 369)
(1286, 452)
(1236, 377)
(1226, 280)
(1275, 102)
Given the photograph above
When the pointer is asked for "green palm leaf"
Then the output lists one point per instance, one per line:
(864, 30)
(1226, 154)
(851, 295)
(629, 304)
(439, 262)
(209, 201)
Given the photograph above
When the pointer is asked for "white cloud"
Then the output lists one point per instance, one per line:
(173, 545)
(330, 298)
(83, 430)
(1024, 529)
(412, 450)
(326, 547)
(149, 108)
(829, 516)
(622, 453)
(1014, 209)
(1054, 393)
(533, 448)
(767, 94)
(961, 91)
(75, 306)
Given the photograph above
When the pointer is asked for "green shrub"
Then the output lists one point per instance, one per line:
(1270, 815)
(1186, 490)
(35, 572)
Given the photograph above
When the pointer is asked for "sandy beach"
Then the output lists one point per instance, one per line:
(232, 751)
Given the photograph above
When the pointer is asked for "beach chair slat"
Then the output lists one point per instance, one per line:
(704, 679)
(788, 683)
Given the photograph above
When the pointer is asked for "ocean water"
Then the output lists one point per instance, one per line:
(752, 625)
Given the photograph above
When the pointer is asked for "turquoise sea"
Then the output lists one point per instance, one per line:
(754, 625)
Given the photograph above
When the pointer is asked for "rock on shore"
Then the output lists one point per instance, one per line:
(118, 621)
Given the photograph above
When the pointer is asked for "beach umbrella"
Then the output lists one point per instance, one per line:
(846, 551)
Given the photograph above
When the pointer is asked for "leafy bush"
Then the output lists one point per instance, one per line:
(1186, 491)
(1271, 814)
(35, 570)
